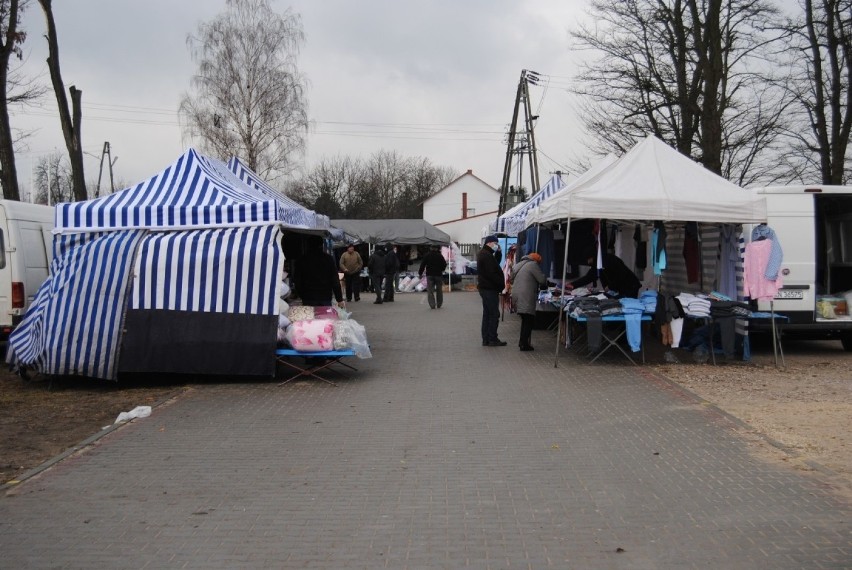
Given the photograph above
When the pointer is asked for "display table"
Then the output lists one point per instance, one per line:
(610, 337)
(315, 362)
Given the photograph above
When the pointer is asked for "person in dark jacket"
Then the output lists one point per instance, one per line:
(315, 277)
(376, 268)
(391, 273)
(490, 282)
(433, 265)
(614, 276)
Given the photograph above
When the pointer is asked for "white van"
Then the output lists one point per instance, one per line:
(814, 227)
(26, 251)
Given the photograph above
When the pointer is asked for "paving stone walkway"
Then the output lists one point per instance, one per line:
(437, 453)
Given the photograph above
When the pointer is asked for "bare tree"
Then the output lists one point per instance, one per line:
(70, 119)
(53, 181)
(249, 98)
(16, 90)
(820, 53)
(682, 70)
(325, 189)
(385, 186)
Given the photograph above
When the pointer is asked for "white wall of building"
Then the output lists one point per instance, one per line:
(462, 208)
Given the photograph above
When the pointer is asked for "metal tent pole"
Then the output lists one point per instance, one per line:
(562, 293)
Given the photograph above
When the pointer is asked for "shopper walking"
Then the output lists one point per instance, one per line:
(433, 265)
(376, 268)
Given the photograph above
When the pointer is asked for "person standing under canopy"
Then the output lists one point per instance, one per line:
(614, 276)
(316, 278)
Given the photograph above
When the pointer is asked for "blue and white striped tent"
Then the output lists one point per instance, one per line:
(175, 274)
(511, 223)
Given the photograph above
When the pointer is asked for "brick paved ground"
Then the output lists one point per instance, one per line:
(437, 453)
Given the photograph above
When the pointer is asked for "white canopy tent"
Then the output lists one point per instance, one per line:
(652, 182)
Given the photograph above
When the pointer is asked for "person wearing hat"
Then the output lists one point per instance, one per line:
(490, 282)
(433, 265)
(351, 264)
(527, 278)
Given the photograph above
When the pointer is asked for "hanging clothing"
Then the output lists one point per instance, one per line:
(625, 246)
(726, 264)
(755, 283)
(692, 253)
(776, 256)
(658, 248)
(641, 244)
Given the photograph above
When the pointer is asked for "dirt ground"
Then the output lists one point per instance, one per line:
(39, 419)
(801, 415)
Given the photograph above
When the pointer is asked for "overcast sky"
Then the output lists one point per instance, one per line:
(432, 78)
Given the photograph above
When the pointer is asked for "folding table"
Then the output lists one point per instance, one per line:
(612, 341)
(315, 362)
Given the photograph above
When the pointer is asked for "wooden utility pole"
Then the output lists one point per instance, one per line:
(525, 142)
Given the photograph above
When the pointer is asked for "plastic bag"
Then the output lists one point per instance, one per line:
(137, 412)
(343, 313)
(350, 334)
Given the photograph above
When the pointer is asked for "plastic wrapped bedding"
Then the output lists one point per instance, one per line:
(314, 335)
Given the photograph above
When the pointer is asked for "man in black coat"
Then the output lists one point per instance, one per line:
(376, 268)
(490, 282)
(391, 273)
(433, 265)
(315, 276)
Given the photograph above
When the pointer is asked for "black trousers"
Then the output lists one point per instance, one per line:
(527, 323)
(353, 285)
(377, 285)
(389, 290)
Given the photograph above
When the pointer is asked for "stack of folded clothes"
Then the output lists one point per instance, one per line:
(694, 305)
(649, 301)
(722, 309)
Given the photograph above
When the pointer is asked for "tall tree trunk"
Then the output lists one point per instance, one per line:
(70, 123)
(708, 43)
(8, 170)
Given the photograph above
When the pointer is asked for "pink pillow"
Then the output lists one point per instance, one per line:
(312, 335)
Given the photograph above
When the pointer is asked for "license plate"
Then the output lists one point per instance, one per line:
(790, 294)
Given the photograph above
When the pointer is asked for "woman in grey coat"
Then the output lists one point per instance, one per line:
(527, 278)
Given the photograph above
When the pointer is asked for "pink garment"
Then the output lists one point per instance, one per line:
(755, 283)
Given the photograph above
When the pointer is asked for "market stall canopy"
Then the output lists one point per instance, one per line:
(653, 181)
(398, 231)
(512, 221)
(194, 192)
